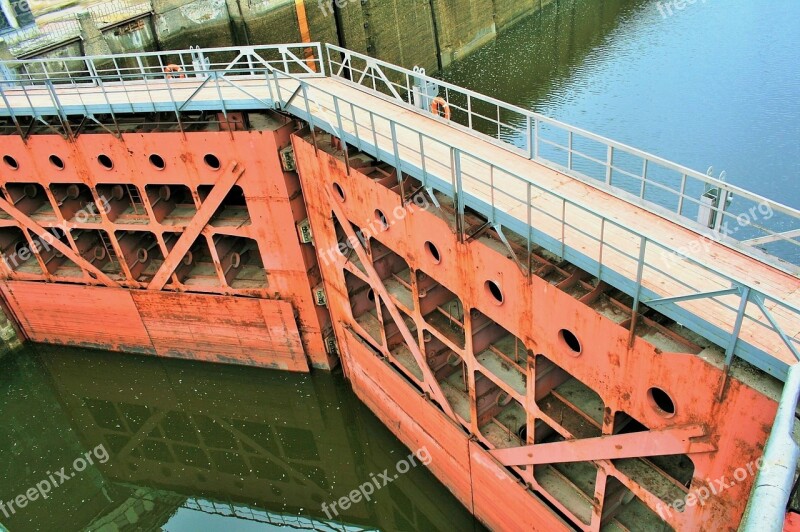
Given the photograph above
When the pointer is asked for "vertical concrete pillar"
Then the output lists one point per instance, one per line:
(93, 41)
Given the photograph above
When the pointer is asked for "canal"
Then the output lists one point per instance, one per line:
(178, 445)
(714, 84)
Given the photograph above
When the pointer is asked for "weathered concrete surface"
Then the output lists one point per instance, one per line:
(398, 31)
(181, 23)
(427, 33)
(93, 41)
(135, 35)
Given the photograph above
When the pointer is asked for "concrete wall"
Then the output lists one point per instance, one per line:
(428, 33)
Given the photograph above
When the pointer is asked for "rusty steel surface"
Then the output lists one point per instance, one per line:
(103, 238)
(504, 363)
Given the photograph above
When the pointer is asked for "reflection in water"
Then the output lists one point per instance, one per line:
(199, 446)
(715, 84)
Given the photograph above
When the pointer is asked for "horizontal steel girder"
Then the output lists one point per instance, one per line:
(31, 225)
(660, 442)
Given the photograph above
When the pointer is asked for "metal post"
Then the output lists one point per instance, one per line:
(422, 158)
(530, 227)
(310, 118)
(460, 193)
(569, 150)
(563, 227)
(12, 114)
(529, 136)
(737, 327)
(341, 134)
(637, 296)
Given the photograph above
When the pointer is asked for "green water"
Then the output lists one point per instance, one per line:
(714, 84)
(184, 446)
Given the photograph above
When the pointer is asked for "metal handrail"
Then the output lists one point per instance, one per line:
(751, 302)
(99, 64)
(612, 161)
(752, 299)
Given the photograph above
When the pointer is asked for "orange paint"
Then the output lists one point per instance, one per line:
(535, 311)
(248, 259)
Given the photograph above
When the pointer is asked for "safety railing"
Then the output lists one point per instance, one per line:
(746, 318)
(38, 37)
(616, 253)
(176, 65)
(718, 210)
(743, 317)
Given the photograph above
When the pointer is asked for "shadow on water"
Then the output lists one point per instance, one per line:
(195, 446)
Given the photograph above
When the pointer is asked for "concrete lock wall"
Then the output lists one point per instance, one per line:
(428, 33)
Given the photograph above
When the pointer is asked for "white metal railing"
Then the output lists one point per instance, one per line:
(297, 58)
(287, 72)
(740, 219)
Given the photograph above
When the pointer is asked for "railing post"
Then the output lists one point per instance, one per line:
(459, 193)
(310, 116)
(491, 191)
(469, 110)
(682, 195)
(609, 164)
(422, 159)
(12, 114)
(563, 228)
(737, 327)
(602, 246)
(529, 136)
(638, 294)
(340, 127)
(396, 152)
(570, 136)
(644, 180)
(530, 225)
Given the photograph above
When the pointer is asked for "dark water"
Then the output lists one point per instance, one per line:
(184, 446)
(715, 84)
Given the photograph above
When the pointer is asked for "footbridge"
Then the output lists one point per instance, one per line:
(715, 258)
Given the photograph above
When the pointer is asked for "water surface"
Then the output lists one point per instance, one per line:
(715, 84)
(180, 446)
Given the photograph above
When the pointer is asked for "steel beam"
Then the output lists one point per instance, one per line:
(195, 227)
(429, 380)
(51, 240)
(659, 442)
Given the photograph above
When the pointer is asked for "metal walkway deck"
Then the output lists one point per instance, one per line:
(734, 294)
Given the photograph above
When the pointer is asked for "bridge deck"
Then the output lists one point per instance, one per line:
(597, 231)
